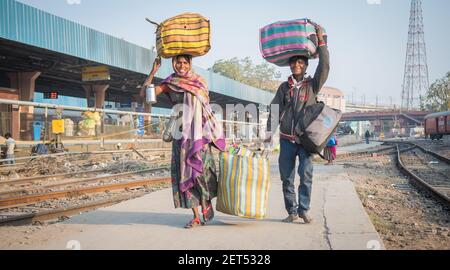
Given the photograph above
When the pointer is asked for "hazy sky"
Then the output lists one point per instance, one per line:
(367, 41)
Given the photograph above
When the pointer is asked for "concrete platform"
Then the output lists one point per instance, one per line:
(151, 222)
(356, 147)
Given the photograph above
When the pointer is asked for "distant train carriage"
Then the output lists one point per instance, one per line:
(437, 125)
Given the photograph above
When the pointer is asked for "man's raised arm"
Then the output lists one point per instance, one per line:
(323, 69)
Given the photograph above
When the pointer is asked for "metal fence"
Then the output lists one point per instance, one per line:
(84, 124)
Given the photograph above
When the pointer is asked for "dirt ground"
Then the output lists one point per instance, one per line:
(405, 218)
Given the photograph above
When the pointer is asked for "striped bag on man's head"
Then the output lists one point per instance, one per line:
(282, 40)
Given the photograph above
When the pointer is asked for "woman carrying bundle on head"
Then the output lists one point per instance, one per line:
(194, 178)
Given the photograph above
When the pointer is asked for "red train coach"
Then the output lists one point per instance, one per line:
(437, 125)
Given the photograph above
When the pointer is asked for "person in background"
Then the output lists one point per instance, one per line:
(10, 146)
(367, 135)
(330, 151)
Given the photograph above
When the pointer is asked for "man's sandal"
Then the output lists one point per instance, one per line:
(196, 222)
(208, 213)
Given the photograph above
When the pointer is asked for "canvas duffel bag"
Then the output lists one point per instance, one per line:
(187, 33)
(317, 125)
(282, 40)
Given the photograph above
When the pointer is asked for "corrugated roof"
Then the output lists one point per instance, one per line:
(29, 25)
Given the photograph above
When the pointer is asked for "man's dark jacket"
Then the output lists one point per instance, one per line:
(292, 101)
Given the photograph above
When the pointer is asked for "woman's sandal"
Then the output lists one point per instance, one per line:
(208, 213)
(196, 222)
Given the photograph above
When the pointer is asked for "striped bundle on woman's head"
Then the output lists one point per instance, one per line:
(188, 33)
(282, 40)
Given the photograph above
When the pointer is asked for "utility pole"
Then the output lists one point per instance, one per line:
(415, 80)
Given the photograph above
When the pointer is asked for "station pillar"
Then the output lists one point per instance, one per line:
(9, 113)
(23, 117)
(95, 95)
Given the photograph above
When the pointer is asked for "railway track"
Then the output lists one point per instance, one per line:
(76, 158)
(37, 199)
(383, 151)
(20, 217)
(15, 204)
(74, 184)
(427, 170)
(108, 169)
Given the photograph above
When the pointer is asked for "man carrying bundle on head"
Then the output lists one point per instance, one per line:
(292, 97)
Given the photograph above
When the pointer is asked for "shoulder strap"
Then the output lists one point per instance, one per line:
(302, 115)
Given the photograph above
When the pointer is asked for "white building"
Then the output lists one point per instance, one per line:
(333, 97)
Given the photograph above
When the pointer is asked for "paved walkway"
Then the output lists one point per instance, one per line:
(151, 222)
(356, 147)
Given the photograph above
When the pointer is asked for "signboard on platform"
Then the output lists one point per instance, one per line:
(140, 125)
(125, 105)
(58, 126)
(93, 74)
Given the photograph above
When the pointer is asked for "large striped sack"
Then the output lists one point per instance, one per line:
(282, 40)
(244, 184)
(188, 33)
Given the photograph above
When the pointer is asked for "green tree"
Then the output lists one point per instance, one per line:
(230, 68)
(438, 97)
(262, 76)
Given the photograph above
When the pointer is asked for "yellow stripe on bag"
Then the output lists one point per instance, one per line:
(225, 181)
(249, 186)
(267, 180)
(237, 189)
(189, 44)
(259, 198)
(182, 20)
(232, 182)
(185, 25)
(220, 190)
(193, 52)
(200, 31)
(177, 38)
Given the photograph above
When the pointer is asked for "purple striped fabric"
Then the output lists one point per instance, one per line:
(282, 40)
(286, 34)
(286, 23)
(284, 48)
